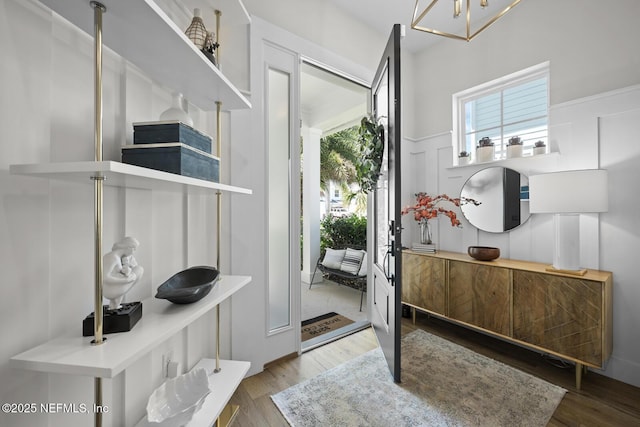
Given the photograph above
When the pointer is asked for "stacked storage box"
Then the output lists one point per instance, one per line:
(174, 147)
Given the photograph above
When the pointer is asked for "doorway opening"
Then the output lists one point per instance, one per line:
(331, 107)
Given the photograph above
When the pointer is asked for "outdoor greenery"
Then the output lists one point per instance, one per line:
(371, 138)
(342, 232)
(339, 155)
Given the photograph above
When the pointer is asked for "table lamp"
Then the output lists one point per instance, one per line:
(568, 194)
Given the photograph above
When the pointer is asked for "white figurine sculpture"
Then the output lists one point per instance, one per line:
(120, 271)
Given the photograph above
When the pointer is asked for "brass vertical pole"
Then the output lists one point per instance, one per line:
(219, 193)
(217, 41)
(98, 9)
(219, 218)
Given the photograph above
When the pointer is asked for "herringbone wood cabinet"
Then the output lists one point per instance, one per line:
(561, 314)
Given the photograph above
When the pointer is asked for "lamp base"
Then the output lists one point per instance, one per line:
(580, 272)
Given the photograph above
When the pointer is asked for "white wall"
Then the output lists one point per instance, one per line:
(592, 48)
(595, 67)
(326, 25)
(46, 240)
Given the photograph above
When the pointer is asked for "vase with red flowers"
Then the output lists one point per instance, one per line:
(428, 207)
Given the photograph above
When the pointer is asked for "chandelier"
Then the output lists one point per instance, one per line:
(460, 29)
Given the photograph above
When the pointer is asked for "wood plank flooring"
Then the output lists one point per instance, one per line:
(601, 402)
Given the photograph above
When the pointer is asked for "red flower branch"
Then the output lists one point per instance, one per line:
(426, 207)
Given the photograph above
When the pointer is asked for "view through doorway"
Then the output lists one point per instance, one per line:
(332, 106)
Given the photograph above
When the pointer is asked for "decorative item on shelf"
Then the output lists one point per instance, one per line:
(464, 158)
(371, 153)
(567, 194)
(514, 147)
(539, 148)
(176, 401)
(485, 150)
(196, 31)
(176, 111)
(168, 131)
(483, 253)
(189, 286)
(427, 208)
(120, 273)
(210, 48)
(172, 146)
(174, 157)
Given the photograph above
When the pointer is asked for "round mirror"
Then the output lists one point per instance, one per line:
(504, 199)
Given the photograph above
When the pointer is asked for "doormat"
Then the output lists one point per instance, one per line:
(443, 384)
(322, 324)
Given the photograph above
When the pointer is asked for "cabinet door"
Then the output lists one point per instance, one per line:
(480, 295)
(561, 314)
(423, 282)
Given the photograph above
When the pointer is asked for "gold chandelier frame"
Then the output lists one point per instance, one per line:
(417, 17)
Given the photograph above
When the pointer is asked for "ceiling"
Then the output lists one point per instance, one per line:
(331, 103)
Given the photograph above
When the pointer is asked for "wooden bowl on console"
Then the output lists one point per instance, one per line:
(483, 253)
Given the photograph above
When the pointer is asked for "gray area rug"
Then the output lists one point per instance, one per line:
(443, 384)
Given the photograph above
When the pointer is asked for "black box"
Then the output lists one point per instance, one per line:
(120, 320)
(170, 131)
(175, 158)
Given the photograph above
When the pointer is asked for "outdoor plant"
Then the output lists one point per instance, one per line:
(371, 136)
(343, 232)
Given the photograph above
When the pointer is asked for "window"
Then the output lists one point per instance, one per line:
(516, 105)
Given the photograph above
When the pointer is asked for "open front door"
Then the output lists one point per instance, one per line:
(385, 244)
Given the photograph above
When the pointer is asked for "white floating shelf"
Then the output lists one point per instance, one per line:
(142, 33)
(160, 320)
(122, 175)
(222, 385)
(514, 161)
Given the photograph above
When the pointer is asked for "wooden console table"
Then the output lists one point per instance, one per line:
(561, 314)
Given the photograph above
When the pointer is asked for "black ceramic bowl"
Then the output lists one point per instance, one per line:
(189, 285)
(483, 253)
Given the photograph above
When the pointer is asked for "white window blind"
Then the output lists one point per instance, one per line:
(515, 105)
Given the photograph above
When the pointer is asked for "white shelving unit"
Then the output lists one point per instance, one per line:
(142, 33)
(123, 175)
(222, 386)
(74, 354)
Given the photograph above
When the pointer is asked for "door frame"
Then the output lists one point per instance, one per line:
(248, 342)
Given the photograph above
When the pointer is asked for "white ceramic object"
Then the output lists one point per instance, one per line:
(484, 154)
(176, 401)
(120, 271)
(514, 151)
(176, 112)
(539, 150)
(462, 161)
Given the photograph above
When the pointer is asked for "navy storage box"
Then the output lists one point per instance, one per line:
(170, 131)
(175, 158)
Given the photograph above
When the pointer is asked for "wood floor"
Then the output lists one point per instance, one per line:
(601, 402)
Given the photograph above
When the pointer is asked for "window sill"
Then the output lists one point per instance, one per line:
(506, 162)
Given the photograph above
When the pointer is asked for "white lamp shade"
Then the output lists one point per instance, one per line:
(579, 191)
